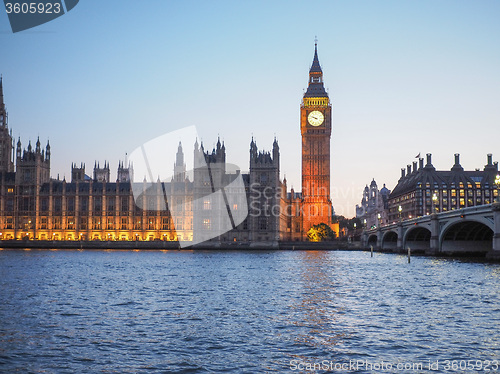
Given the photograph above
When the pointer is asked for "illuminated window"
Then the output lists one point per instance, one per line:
(453, 193)
(96, 223)
(206, 205)
(235, 206)
(10, 190)
(462, 193)
(462, 202)
(206, 224)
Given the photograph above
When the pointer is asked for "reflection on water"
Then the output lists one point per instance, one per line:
(185, 311)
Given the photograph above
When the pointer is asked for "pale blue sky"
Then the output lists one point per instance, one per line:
(404, 76)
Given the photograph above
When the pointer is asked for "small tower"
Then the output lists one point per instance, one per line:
(32, 166)
(101, 174)
(180, 166)
(6, 162)
(77, 173)
(124, 174)
(264, 221)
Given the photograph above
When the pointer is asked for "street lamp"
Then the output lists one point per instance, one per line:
(400, 209)
(434, 201)
(497, 183)
(378, 216)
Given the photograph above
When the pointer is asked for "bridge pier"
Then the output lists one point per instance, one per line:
(399, 245)
(379, 238)
(495, 251)
(434, 243)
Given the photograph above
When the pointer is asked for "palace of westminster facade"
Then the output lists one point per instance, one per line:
(35, 206)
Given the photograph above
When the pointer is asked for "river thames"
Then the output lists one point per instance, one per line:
(70, 311)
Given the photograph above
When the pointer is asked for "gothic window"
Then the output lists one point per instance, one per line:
(97, 204)
(84, 203)
(57, 204)
(124, 204)
(96, 223)
(83, 224)
(206, 224)
(111, 205)
(151, 223)
(71, 204)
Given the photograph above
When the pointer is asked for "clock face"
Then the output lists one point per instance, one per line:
(315, 118)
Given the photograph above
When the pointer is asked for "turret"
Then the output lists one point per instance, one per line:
(47, 151)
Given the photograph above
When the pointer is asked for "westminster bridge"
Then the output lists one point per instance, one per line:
(474, 230)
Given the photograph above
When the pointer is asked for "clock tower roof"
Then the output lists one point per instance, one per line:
(315, 67)
(316, 87)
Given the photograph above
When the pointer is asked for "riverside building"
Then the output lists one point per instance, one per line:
(34, 206)
(423, 190)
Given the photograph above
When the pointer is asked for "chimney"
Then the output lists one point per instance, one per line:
(457, 166)
(414, 166)
(420, 163)
(408, 169)
(402, 172)
(490, 166)
(429, 165)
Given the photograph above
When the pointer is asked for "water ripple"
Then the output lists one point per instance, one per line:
(240, 312)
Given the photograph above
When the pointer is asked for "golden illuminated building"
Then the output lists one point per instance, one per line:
(34, 206)
(316, 130)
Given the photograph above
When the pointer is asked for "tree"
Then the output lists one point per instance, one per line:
(320, 232)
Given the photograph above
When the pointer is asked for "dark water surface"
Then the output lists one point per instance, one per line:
(245, 312)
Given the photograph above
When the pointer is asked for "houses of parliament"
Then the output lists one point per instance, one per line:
(34, 206)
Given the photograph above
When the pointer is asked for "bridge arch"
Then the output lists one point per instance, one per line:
(467, 236)
(390, 240)
(418, 238)
(372, 240)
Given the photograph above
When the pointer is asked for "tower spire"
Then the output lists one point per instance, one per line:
(316, 87)
(315, 67)
(3, 113)
(2, 104)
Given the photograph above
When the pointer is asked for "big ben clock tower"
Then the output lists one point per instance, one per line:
(316, 130)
